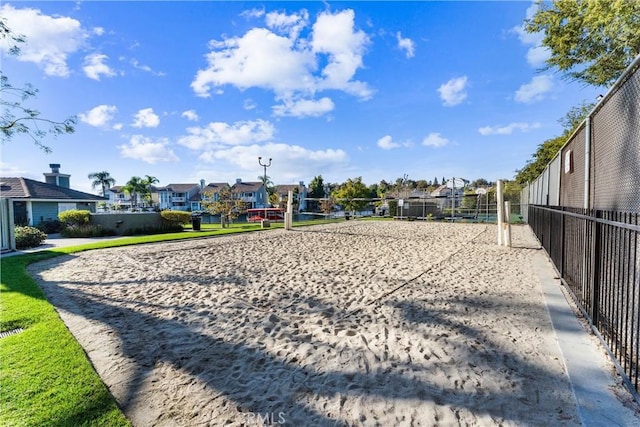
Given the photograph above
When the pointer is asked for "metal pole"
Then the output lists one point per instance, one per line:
(265, 166)
(500, 207)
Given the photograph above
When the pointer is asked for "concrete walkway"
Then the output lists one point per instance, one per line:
(590, 371)
(56, 241)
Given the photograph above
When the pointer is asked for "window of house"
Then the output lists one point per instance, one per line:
(62, 207)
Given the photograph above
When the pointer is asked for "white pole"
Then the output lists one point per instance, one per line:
(289, 214)
(500, 211)
(507, 224)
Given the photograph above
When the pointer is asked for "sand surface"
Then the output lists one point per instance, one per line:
(356, 323)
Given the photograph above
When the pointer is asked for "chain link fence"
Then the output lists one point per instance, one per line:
(585, 210)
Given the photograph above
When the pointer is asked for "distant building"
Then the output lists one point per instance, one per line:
(33, 202)
(254, 194)
(299, 194)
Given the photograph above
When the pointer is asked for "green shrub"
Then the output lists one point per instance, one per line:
(154, 229)
(393, 207)
(50, 226)
(29, 237)
(176, 217)
(86, 230)
(75, 217)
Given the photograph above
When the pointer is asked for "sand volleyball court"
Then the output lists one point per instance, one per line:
(356, 323)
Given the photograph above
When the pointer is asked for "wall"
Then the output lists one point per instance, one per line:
(123, 222)
(44, 211)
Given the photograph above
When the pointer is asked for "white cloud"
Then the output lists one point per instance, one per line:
(406, 44)
(149, 151)
(508, 129)
(219, 134)
(190, 115)
(98, 31)
(286, 160)
(260, 58)
(289, 24)
(434, 139)
(454, 91)
(50, 39)
(537, 54)
(279, 60)
(387, 143)
(249, 104)
(535, 90)
(94, 66)
(304, 108)
(137, 65)
(98, 116)
(146, 118)
(335, 35)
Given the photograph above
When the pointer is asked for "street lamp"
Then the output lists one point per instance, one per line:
(265, 166)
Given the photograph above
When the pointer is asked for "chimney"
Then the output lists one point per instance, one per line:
(238, 181)
(202, 184)
(57, 178)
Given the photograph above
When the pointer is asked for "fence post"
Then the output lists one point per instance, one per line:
(507, 224)
(500, 207)
(288, 216)
(562, 220)
(595, 274)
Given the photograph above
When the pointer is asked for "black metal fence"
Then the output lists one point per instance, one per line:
(596, 253)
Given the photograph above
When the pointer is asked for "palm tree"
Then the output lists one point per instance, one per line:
(145, 191)
(102, 179)
(132, 188)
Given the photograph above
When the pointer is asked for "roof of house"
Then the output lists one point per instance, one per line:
(246, 186)
(214, 187)
(178, 188)
(25, 188)
(286, 188)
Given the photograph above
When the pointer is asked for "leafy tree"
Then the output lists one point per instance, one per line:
(274, 200)
(422, 184)
(351, 193)
(435, 182)
(591, 41)
(316, 191)
(327, 205)
(575, 117)
(16, 118)
(480, 182)
(228, 205)
(550, 148)
(543, 155)
(101, 179)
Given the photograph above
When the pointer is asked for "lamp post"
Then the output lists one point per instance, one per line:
(265, 166)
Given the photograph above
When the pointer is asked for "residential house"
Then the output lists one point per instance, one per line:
(447, 195)
(178, 197)
(254, 194)
(33, 202)
(118, 198)
(211, 193)
(299, 195)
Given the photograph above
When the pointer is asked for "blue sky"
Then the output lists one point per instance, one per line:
(185, 91)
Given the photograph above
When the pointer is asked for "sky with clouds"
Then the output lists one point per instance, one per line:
(185, 91)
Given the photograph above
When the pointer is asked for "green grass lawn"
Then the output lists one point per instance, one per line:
(45, 376)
